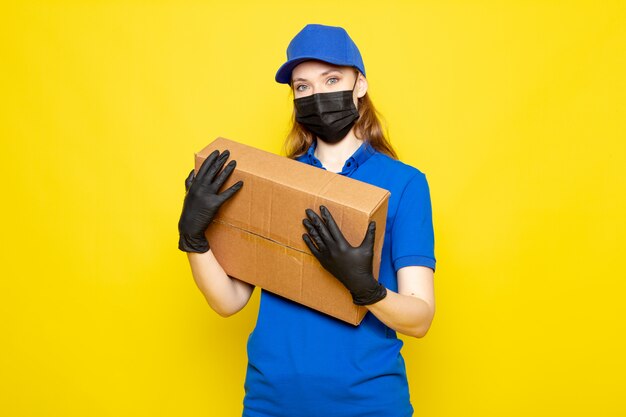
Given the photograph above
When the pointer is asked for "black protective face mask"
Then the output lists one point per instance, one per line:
(330, 116)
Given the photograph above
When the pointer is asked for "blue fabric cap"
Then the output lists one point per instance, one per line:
(331, 44)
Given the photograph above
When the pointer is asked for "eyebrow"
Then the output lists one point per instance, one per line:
(322, 74)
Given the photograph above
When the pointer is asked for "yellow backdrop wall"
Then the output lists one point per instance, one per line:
(515, 111)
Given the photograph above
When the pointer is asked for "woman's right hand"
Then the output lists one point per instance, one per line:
(202, 201)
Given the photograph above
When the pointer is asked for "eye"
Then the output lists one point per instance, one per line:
(298, 87)
(334, 78)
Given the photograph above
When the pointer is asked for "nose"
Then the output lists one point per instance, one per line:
(316, 87)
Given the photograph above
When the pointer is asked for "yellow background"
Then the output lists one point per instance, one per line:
(514, 110)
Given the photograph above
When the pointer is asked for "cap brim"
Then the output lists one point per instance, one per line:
(283, 75)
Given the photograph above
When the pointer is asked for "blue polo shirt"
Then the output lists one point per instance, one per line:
(303, 363)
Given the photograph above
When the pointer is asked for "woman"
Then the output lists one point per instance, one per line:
(302, 362)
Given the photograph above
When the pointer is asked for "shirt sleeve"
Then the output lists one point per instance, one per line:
(413, 238)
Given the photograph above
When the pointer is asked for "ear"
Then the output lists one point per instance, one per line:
(361, 86)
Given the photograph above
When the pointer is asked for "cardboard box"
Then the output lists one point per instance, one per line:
(257, 234)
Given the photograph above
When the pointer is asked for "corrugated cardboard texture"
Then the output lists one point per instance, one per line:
(257, 234)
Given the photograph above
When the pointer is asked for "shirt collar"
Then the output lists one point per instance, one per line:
(357, 159)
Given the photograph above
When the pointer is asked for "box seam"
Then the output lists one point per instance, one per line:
(261, 236)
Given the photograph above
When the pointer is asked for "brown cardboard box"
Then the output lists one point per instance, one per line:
(257, 234)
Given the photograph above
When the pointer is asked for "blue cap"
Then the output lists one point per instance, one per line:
(331, 44)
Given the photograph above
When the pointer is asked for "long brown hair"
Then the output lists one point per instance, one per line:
(368, 126)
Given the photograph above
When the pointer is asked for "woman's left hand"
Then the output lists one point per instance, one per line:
(350, 265)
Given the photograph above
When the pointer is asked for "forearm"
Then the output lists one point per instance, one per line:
(224, 294)
(404, 313)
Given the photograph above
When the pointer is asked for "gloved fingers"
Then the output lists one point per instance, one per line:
(368, 240)
(208, 162)
(216, 167)
(223, 176)
(228, 193)
(319, 225)
(189, 180)
(315, 235)
(334, 230)
(311, 246)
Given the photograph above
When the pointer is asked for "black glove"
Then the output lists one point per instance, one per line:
(202, 201)
(351, 265)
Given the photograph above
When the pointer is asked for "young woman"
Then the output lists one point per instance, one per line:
(302, 362)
